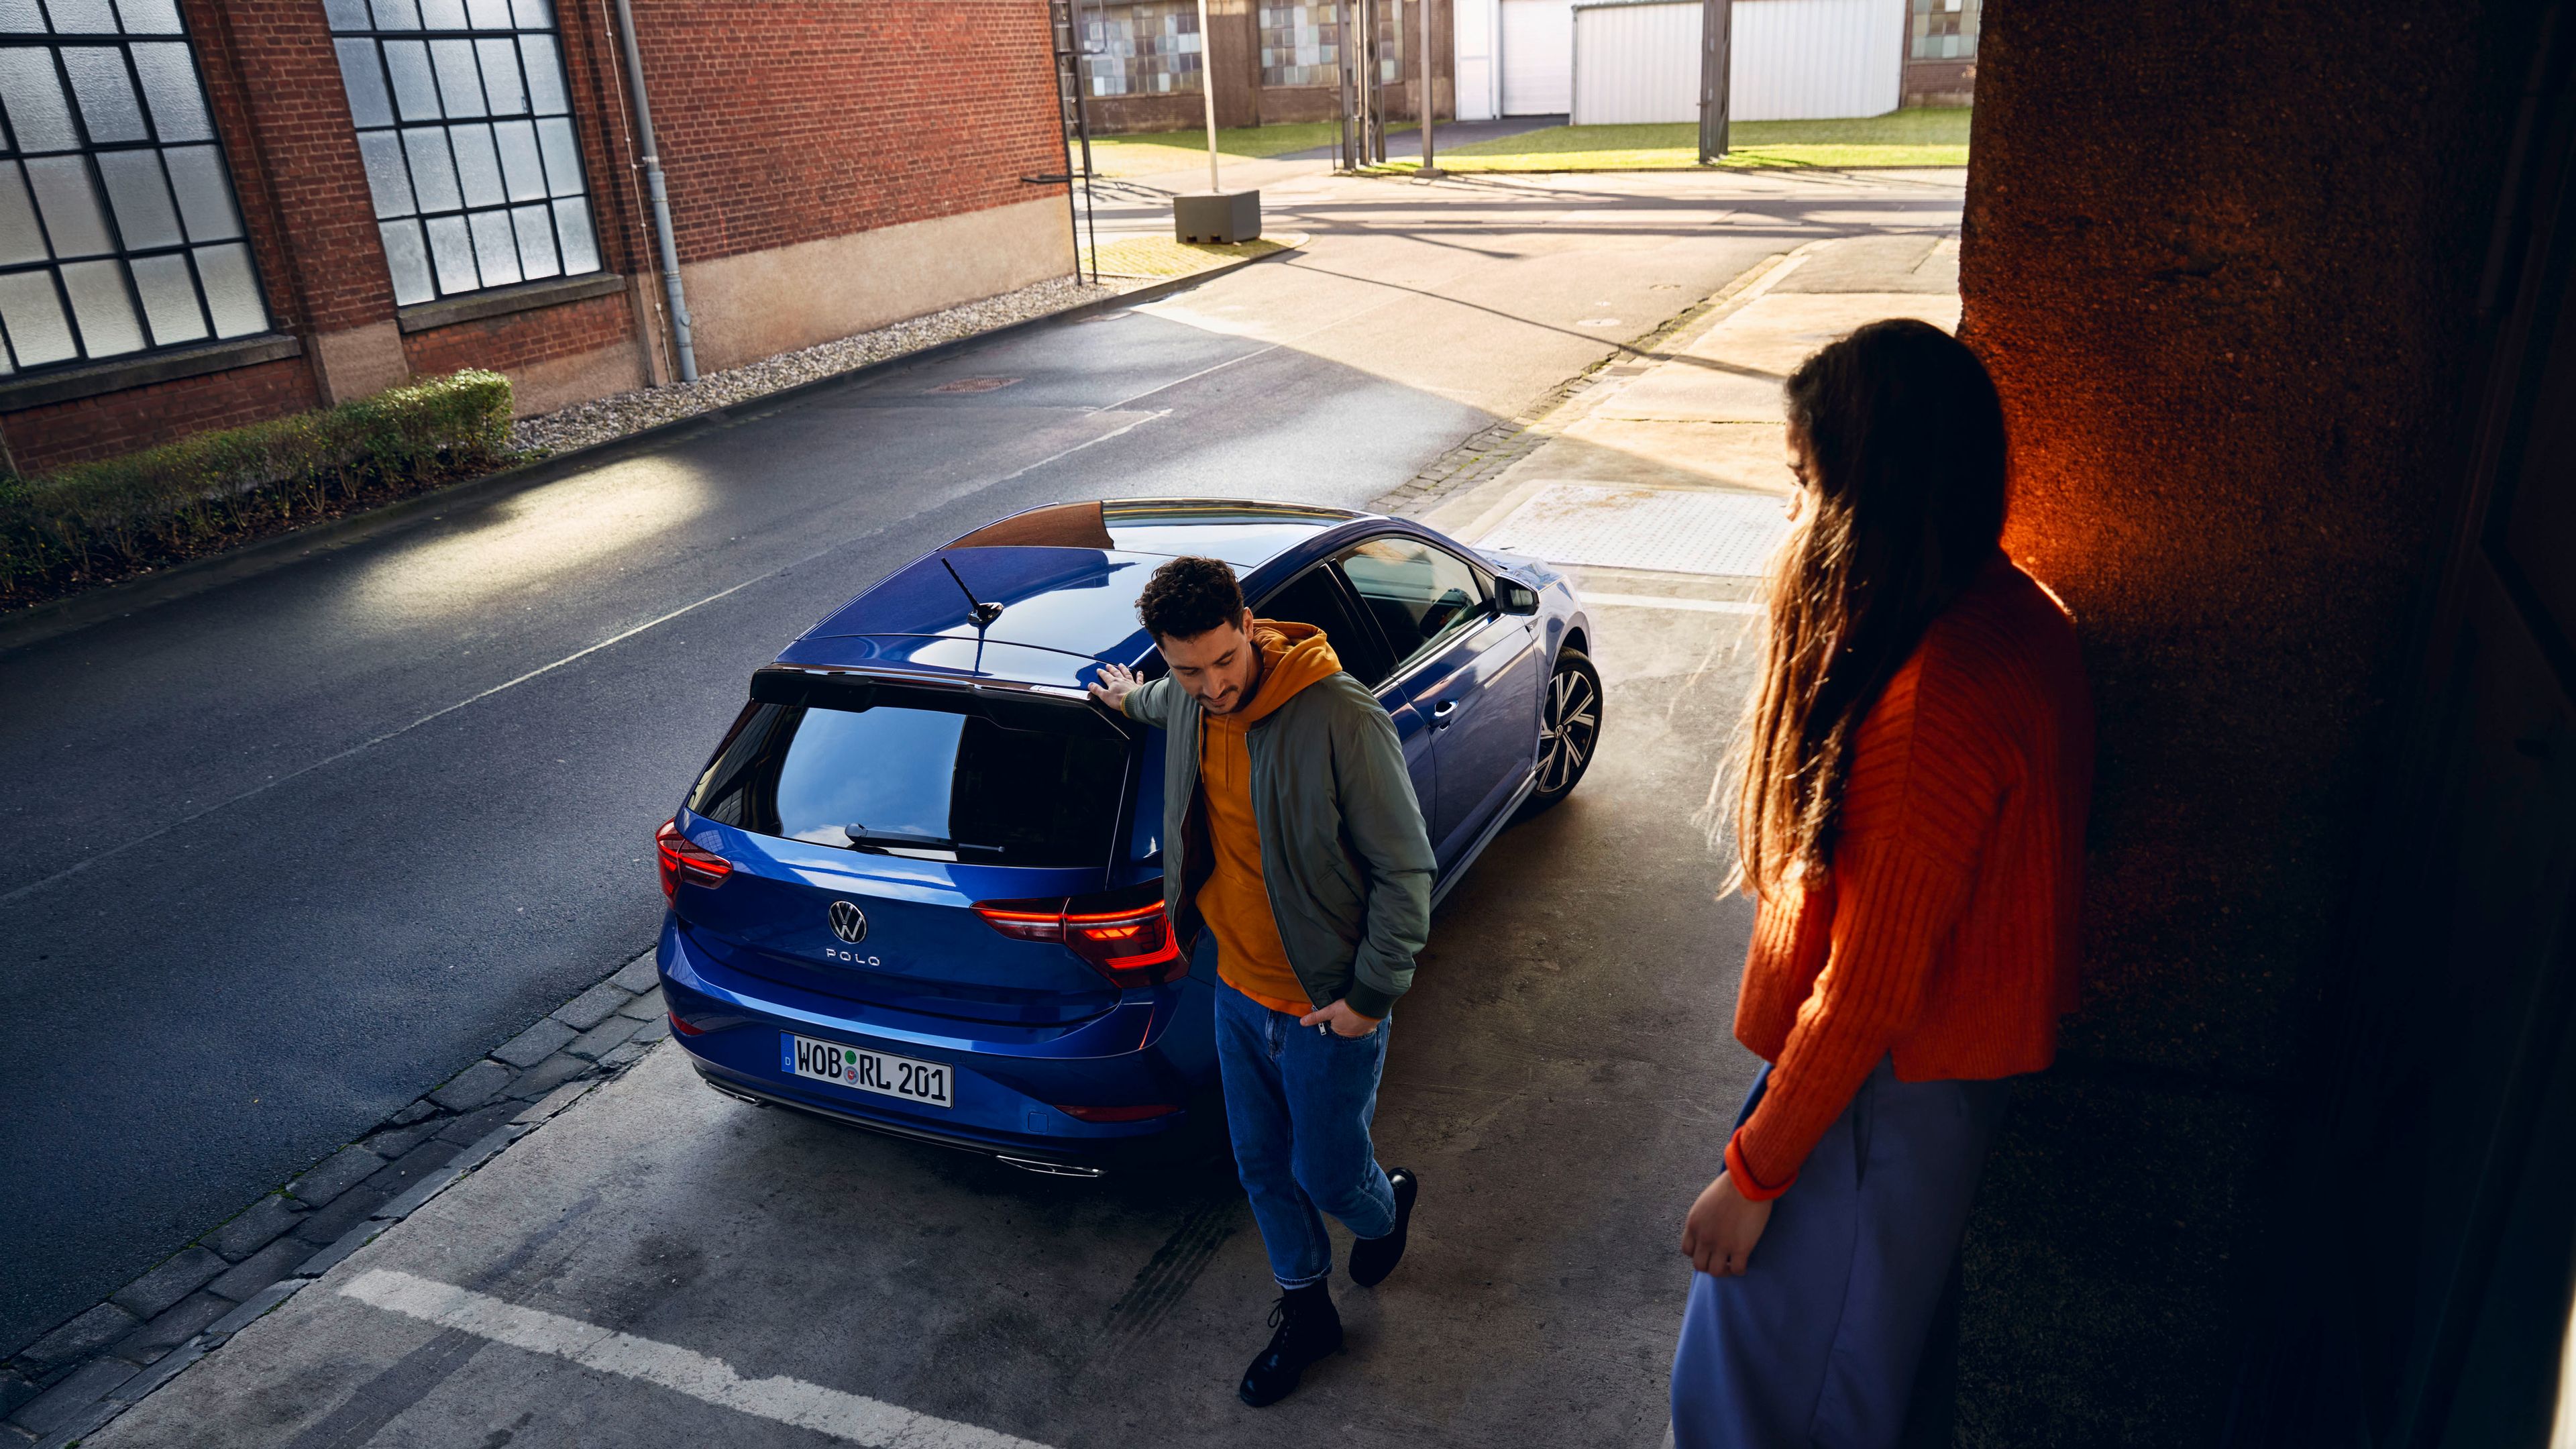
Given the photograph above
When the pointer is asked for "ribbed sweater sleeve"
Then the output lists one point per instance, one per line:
(1920, 798)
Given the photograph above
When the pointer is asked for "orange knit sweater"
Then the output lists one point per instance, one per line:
(1945, 932)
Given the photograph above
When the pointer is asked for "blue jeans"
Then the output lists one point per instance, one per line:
(1298, 1100)
(1819, 1343)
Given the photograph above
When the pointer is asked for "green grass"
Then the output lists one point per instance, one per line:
(1919, 137)
(1158, 151)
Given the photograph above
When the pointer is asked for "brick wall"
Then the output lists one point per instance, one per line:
(523, 339)
(870, 112)
(90, 428)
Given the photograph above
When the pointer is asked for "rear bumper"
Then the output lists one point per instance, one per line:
(1156, 1046)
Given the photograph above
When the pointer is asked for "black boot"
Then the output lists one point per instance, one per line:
(1309, 1328)
(1373, 1258)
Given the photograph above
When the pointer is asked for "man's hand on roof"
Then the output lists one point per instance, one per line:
(1116, 682)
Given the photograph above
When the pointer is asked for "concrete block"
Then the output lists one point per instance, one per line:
(593, 1006)
(548, 1075)
(421, 1192)
(172, 1327)
(420, 1162)
(252, 1229)
(1217, 217)
(393, 1142)
(473, 1125)
(653, 1031)
(337, 1173)
(637, 975)
(535, 1044)
(647, 1007)
(190, 1269)
(247, 1314)
(473, 1087)
(260, 1269)
(15, 1389)
(555, 1101)
(345, 1212)
(65, 1401)
(414, 1113)
(600, 1040)
(79, 1338)
(332, 1256)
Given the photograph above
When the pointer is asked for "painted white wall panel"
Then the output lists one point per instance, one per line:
(1538, 56)
(1479, 86)
(1793, 60)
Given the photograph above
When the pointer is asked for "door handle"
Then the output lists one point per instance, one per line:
(1441, 712)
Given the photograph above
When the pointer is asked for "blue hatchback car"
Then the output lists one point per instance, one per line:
(918, 888)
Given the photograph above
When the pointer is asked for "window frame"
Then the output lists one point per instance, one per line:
(120, 251)
(415, 212)
(1483, 611)
(1381, 655)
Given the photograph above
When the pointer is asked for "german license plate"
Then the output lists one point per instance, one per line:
(849, 1066)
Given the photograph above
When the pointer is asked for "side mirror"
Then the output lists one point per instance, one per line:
(1515, 598)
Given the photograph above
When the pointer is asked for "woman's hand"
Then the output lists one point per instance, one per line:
(1723, 1225)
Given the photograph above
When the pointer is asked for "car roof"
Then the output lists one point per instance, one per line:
(1066, 576)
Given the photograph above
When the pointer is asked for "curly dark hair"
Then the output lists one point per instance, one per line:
(1189, 596)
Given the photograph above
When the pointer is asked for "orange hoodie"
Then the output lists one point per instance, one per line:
(1233, 899)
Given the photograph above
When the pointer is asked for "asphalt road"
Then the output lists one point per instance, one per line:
(297, 848)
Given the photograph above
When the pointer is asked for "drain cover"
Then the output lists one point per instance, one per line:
(1663, 529)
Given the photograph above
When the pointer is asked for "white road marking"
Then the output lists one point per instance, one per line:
(1696, 606)
(788, 1401)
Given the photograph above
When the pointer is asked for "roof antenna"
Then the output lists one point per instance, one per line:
(982, 613)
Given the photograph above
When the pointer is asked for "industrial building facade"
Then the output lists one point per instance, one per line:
(218, 211)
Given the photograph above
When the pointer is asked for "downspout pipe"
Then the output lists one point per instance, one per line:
(652, 163)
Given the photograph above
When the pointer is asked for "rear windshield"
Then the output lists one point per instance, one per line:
(921, 773)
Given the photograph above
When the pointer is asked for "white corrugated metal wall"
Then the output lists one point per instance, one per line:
(1538, 56)
(1794, 60)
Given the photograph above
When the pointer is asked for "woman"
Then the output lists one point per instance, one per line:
(1914, 771)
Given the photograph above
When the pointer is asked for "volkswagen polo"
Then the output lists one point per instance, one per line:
(918, 886)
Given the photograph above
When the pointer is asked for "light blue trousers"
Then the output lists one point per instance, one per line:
(1818, 1343)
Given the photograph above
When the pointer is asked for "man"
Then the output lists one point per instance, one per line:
(1290, 830)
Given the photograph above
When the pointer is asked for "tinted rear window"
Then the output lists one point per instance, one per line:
(1008, 783)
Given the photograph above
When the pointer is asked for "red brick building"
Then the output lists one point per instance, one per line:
(217, 211)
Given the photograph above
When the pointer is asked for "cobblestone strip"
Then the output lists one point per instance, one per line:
(90, 1369)
(1490, 450)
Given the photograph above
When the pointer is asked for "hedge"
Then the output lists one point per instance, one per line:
(100, 519)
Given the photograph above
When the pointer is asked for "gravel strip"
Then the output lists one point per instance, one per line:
(597, 421)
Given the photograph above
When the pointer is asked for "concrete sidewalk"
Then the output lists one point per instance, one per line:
(1700, 414)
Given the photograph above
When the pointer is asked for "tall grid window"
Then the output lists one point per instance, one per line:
(1301, 44)
(118, 232)
(1945, 29)
(1146, 48)
(464, 118)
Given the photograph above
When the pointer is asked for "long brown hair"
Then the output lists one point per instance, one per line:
(1905, 504)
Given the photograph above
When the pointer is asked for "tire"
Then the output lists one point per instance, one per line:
(1569, 731)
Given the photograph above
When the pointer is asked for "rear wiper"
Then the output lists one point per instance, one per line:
(862, 838)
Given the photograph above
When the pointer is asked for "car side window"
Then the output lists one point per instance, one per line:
(1419, 595)
(1316, 597)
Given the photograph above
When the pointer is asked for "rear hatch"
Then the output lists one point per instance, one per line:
(910, 801)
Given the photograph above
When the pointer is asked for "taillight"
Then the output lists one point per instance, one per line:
(1123, 935)
(683, 859)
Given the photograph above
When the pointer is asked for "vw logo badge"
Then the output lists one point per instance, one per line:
(849, 922)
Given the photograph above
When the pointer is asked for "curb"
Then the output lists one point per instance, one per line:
(52, 620)
(144, 1381)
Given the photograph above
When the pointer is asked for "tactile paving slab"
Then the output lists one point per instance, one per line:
(1668, 530)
